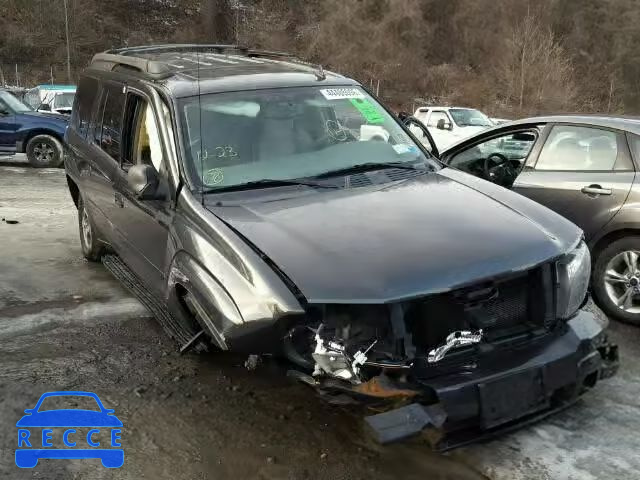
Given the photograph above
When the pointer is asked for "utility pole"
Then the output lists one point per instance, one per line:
(66, 27)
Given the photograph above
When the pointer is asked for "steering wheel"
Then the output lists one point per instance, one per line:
(498, 169)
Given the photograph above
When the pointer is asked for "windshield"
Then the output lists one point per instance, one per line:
(467, 117)
(288, 133)
(14, 105)
(63, 100)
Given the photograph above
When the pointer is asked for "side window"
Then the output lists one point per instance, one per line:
(572, 148)
(513, 147)
(111, 129)
(83, 105)
(436, 116)
(142, 136)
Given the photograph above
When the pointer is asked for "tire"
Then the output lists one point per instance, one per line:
(92, 249)
(44, 151)
(606, 288)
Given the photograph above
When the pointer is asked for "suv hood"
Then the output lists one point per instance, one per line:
(400, 240)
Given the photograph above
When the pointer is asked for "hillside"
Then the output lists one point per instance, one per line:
(510, 57)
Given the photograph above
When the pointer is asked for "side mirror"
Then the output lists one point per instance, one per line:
(144, 181)
(45, 107)
(444, 125)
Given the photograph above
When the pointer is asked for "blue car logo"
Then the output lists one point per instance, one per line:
(102, 427)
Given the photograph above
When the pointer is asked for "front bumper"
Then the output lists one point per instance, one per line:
(506, 389)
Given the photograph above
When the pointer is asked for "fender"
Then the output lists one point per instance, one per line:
(33, 123)
(219, 312)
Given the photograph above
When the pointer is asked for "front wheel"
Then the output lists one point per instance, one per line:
(44, 151)
(616, 280)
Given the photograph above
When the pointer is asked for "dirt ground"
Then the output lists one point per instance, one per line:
(66, 324)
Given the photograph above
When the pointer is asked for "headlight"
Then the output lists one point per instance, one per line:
(574, 270)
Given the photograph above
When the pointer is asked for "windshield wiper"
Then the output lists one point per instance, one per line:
(267, 183)
(364, 167)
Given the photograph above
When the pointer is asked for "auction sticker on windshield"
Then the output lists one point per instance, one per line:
(341, 93)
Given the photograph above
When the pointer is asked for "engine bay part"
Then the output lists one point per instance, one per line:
(332, 358)
(454, 340)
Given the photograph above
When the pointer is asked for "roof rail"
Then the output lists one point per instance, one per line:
(152, 68)
(185, 47)
(135, 57)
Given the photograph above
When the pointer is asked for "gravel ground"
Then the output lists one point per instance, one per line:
(66, 324)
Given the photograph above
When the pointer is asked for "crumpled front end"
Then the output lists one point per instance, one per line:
(460, 366)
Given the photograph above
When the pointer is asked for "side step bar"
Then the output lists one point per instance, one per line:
(170, 325)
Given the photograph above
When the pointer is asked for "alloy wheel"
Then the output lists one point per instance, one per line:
(622, 281)
(43, 152)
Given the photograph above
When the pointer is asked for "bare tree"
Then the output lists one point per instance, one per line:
(217, 21)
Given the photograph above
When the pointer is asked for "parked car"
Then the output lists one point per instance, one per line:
(449, 125)
(22, 130)
(248, 208)
(498, 121)
(51, 98)
(584, 168)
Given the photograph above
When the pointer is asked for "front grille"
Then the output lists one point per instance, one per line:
(501, 308)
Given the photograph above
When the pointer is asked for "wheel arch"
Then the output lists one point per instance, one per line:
(603, 241)
(29, 134)
(221, 314)
(74, 190)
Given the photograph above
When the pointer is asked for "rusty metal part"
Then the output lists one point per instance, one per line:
(382, 387)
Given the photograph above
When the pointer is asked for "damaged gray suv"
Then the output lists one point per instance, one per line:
(259, 204)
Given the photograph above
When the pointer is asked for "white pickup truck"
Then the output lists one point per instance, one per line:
(449, 125)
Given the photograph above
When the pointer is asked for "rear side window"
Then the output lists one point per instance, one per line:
(573, 148)
(110, 131)
(85, 96)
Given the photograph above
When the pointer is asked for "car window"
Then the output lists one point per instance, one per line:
(84, 100)
(573, 148)
(513, 146)
(69, 402)
(111, 127)
(437, 116)
(468, 117)
(238, 137)
(144, 147)
(12, 104)
(63, 100)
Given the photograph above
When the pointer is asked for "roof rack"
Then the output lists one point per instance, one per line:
(133, 57)
(185, 47)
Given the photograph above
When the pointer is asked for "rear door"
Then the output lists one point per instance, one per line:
(103, 156)
(584, 173)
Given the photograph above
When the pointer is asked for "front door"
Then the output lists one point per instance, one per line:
(143, 224)
(443, 136)
(7, 125)
(582, 173)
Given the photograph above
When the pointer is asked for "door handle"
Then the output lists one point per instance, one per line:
(119, 200)
(596, 190)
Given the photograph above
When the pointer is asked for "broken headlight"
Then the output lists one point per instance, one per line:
(574, 271)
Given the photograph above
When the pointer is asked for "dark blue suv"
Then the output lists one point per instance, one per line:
(39, 135)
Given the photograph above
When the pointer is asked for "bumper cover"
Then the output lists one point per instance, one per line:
(506, 390)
